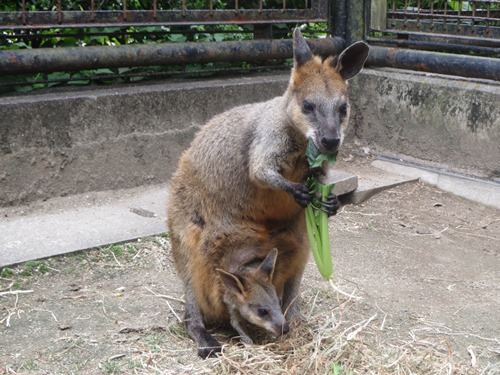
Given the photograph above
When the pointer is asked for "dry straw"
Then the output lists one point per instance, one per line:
(337, 336)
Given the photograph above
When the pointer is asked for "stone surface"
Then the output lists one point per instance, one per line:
(477, 190)
(449, 120)
(345, 182)
(68, 142)
(374, 182)
(63, 225)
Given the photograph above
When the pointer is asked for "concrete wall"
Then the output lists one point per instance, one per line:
(446, 120)
(65, 143)
(68, 142)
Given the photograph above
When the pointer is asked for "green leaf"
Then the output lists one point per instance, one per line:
(315, 159)
(58, 76)
(178, 38)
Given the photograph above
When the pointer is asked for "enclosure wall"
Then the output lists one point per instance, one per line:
(64, 143)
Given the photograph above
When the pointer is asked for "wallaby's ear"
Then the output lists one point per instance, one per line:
(301, 51)
(351, 60)
(266, 268)
(232, 282)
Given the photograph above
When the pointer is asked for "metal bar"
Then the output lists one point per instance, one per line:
(445, 28)
(355, 21)
(432, 46)
(23, 5)
(339, 17)
(434, 62)
(59, 11)
(440, 16)
(81, 58)
(410, 36)
(45, 19)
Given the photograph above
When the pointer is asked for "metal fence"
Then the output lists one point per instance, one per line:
(401, 33)
(455, 26)
(161, 13)
(260, 32)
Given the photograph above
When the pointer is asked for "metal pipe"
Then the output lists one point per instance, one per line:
(434, 62)
(82, 58)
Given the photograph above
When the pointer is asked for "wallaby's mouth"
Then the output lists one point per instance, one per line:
(326, 145)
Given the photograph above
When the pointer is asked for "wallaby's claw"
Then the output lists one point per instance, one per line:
(301, 195)
(209, 351)
(331, 205)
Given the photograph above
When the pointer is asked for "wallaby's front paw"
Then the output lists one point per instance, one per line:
(301, 195)
(332, 205)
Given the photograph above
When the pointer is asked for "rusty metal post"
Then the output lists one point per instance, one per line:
(355, 25)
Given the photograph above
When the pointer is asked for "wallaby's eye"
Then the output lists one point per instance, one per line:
(343, 110)
(307, 107)
(262, 312)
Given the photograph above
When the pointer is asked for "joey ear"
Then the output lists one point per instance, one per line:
(267, 266)
(351, 60)
(231, 281)
(301, 51)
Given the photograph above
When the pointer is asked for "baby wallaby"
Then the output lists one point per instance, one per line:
(239, 191)
(251, 298)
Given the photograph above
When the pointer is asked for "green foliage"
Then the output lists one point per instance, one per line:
(34, 266)
(6, 272)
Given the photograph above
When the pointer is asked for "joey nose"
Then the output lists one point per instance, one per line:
(330, 143)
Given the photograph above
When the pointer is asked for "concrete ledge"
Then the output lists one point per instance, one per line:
(481, 191)
(63, 225)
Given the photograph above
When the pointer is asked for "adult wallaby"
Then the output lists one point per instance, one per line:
(239, 190)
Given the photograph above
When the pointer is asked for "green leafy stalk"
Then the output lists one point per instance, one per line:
(316, 219)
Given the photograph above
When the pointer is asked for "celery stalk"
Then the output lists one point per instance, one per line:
(326, 255)
(317, 220)
(313, 233)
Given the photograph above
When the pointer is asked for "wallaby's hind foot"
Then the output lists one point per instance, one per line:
(208, 346)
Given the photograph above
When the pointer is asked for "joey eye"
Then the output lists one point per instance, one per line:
(262, 312)
(343, 110)
(307, 107)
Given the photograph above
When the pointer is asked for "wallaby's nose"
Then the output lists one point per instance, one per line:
(330, 143)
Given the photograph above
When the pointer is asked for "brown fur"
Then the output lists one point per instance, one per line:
(234, 195)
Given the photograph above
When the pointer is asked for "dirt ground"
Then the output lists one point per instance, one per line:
(413, 265)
